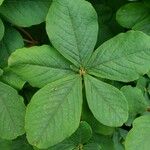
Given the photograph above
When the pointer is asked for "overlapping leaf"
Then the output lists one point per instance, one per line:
(9, 44)
(72, 28)
(106, 102)
(54, 112)
(25, 12)
(39, 65)
(123, 58)
(138, 137)
(137, 102)
(135, 16)
(12, 113)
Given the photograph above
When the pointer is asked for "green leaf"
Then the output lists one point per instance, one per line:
(54, 112)
(12, 113)
(2, 29)
(130, 14)
(72, 28)
(39, 65)
(80, 137)
(105, 142)
(138, 136)
(25, 13)
(143, 25)
(123, 58)
(12, 79)
(83, 134)
(137, 102)
(106, 102)
(1, 1)
(11, 41)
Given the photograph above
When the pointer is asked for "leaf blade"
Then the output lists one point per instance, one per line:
(123, 58)
(106, 102)
(39, 65)
(59, 106)
(12, 113)
(73, 35)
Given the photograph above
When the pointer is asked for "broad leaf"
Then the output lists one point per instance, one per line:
(54, 112)
(12, 79)
(12, 113)
(25, 12)
(137, 102)
(106, 102)
(130, 14)
(9, 44)
(123, 58)
(72, 28)
(138, 136)
(2, 29)
(39, 65)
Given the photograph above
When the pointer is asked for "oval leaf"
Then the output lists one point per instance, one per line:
(12, 113)
(39, 65)
(106, 102)
(54, 112)
(25, 12)
(9, 44)
(136, 100)
(72, 28)
(130, 14)
(123, 58)
(138, 136)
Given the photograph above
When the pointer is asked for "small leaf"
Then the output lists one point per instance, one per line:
(54, 112)
(106, 102)
(72, 28)
(123, 58)
(138, 136)
(136, 101)
(143, 26)
(83, 134)
(80, 137)
(12, 113)
(105, 142)
(9, 44)
(25, 13)
(12, 79)
(39, 65)
(130, 14)
(2, 29)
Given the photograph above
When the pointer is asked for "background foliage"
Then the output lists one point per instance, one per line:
(74, 74)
